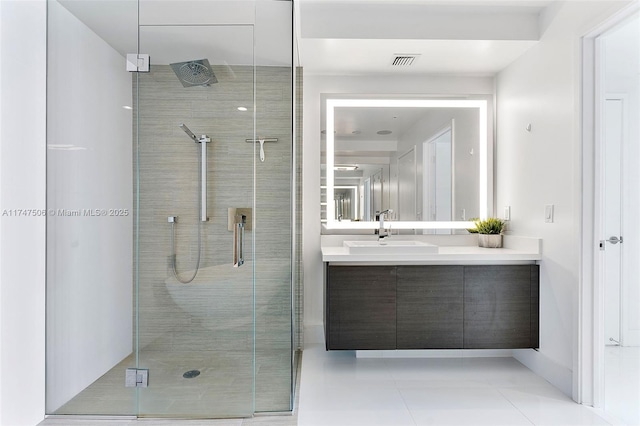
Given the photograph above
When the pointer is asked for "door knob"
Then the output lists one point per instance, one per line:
(614, 240)
(611, 240)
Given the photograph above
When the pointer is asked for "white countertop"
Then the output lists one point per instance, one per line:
(517, 250)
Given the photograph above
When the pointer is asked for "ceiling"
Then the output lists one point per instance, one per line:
(181, 30)
(351, 56)
(339, 36)
(335, 37)
(452, 37)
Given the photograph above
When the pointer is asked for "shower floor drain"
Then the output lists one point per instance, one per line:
(191, 374)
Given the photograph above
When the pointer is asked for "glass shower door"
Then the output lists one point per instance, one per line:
(194, 244)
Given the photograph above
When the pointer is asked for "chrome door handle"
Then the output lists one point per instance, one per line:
(611, 240)
(238, 240)
(614, 240)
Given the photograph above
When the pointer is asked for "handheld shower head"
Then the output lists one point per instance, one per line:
(188, 132)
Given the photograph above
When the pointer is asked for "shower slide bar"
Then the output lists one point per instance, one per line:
(203, 141)
(261, 142)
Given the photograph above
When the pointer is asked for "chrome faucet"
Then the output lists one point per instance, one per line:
(382, 233)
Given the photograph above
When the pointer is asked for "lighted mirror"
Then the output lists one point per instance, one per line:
(425, 159)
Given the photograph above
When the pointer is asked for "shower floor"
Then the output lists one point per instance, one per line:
(223, 389)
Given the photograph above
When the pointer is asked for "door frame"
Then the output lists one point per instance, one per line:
(588, 363)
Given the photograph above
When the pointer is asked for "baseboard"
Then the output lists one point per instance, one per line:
(631, 338)
(554, 373)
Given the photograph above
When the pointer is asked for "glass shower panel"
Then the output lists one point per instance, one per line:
(195, 277)
(89, 313)
(274, 218)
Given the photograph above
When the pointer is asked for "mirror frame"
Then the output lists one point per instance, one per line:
(332, 104)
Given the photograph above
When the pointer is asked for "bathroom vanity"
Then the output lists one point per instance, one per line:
(458, 297)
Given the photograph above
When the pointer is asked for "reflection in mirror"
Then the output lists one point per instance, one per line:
(425, 159)
(346, 202)
(359, 191)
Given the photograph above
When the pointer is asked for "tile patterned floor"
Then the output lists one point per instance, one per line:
(622, 384)
(337, 389)
(225, 381)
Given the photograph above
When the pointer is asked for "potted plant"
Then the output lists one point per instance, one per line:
(489, 232)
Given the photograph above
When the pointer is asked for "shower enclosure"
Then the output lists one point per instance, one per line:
(172, 266)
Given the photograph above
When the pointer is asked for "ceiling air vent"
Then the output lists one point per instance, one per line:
(403, 60)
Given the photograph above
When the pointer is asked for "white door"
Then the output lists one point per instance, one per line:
(407, 185)
(437, 173)
(366, 202)
(376, 192)
(612, 191)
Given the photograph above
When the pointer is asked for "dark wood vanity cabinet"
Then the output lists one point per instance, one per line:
(361, 307)
(431, 307)
(498, 307)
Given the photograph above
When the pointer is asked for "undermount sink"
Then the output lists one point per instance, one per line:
(390, 247)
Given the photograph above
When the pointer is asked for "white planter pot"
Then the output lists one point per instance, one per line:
(490, 240)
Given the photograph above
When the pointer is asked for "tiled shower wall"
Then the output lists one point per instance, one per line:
(214, 313)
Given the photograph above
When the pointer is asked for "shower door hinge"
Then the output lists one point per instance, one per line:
(137, 378)
(138, 62)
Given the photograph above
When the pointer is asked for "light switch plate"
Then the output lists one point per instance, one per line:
(507, 213)
(548, 213)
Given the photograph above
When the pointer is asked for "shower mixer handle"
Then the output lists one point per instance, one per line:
(238, 240)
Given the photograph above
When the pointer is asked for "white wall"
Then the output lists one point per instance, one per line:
(22, 242)
(314, 86)
(621, 51)
(544, 167)
(89, 263)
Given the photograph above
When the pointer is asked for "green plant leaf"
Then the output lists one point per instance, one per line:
(490, 225)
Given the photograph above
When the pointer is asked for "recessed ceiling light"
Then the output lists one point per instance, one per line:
(65, 147)
(384, 132)
(242, 108)
(344, 167)
(126, 107)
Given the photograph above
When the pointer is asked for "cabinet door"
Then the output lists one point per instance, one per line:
(497, 307)
(361, 307)
(429, 307)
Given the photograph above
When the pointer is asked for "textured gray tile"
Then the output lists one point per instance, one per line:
(169, 173)
(208, 324)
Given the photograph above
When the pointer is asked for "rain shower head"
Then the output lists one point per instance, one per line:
(194, 73)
